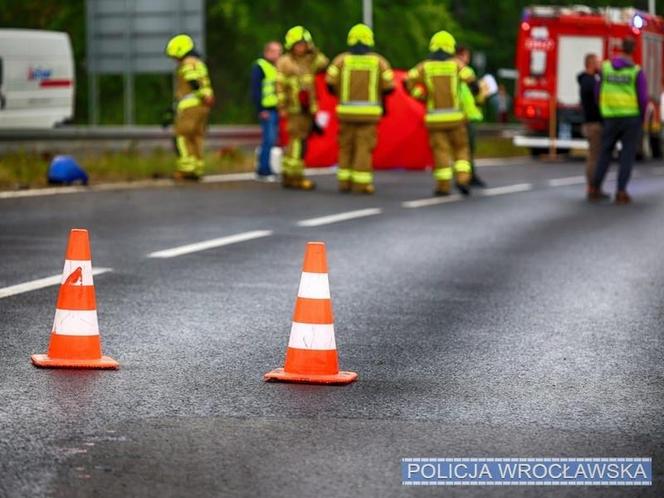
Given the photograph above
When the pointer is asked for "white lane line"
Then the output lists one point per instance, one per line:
(509, 189)
(41, 191)
(430, 201)
(569, 180)
(41, 283)
(334, 218)
(210, 244)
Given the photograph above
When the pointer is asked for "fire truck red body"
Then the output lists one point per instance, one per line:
(551, 47)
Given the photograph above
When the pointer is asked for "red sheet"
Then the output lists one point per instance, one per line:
(402, 137)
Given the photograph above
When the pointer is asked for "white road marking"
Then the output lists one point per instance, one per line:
(41, 283)
(508, 189)
(209, 244)
(334, 218)
(13, 194)
(570, 180)
(430, 201)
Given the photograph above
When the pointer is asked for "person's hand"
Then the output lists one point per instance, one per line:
(283, 114)
(263, 115)
(209, 101)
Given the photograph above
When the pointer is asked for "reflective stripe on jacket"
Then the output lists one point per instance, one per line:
(192, 69)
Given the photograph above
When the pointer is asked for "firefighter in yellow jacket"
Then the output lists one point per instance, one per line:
(193, 99)
(437, 81)
(360, 78)
(297, 102)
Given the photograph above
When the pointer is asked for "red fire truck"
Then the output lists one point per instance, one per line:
(551, 47)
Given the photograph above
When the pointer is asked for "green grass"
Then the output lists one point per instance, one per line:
(498, 147)
(28, 169)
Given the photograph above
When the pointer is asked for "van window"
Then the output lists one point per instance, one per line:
(537, 62)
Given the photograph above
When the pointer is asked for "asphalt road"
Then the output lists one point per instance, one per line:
(523, 322)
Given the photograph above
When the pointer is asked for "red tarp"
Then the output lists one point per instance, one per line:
(402, 137)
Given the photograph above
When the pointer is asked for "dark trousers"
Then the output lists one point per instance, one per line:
(270, 129)
(628, 132)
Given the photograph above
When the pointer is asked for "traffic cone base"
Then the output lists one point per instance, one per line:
(44, 361)
(75, 341)
(339, 378)
(311, 356)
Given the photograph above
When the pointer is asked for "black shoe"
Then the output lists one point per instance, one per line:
(465, 191)
(440, 193)
(476, 181)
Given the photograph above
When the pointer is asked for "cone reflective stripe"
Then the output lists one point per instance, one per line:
(311, 356)
(75, 341)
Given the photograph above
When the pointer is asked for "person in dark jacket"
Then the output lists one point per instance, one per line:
(623, 98)
(592, 119)
(264, 98)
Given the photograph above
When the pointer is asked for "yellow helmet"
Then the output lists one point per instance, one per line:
(361, 33)
(442, 41)
(297, 34)
(179, 46)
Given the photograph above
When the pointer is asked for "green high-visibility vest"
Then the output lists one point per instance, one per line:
(618, 97)
(436, 74)
(269, 95)
(349, 105)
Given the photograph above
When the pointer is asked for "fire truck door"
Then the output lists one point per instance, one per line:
(571, 53)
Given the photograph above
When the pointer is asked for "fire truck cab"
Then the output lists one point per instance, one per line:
(551, 46)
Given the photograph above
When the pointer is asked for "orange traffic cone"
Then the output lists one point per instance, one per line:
(75, 339)
(312, 353)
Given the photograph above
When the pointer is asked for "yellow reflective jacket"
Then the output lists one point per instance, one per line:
(192, 69)
(359, 81)
(295, 81)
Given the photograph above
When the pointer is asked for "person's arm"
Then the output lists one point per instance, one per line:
(320, 62)
(642, 92)
(195, 73)
(281, 87)
(414, 83)
(332, 75)
(257, 76)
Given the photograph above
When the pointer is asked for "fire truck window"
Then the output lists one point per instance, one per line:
(537, 62)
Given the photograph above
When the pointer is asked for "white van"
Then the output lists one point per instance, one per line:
(36, 78)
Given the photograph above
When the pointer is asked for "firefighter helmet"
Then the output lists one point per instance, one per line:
(297, 34)
(179, 46)
(444, 41)
(361, 33)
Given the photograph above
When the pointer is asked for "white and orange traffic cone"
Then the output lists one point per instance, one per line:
(75, 341)
(311, 357)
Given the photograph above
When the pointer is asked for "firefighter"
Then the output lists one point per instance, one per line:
(193, 99)
(297, 101)
(437, 81)
(360, 78)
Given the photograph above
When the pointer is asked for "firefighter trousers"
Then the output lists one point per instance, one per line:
(190, 127)
(357, 141)
(451, 155)
(299, 128)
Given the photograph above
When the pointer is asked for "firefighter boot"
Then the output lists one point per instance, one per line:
(363, 188)
(302, 183)
(442, 188)
(622, 197)
(344, 186)
(463, 182)
(595, 194)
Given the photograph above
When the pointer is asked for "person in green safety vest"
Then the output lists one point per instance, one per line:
(264, 98)
(623, 98)
(361, 79)
(437, 81)
(193, 100)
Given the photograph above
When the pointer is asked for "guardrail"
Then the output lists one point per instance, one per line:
(73, 139)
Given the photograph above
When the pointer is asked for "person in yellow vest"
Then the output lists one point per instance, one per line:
(623, 99)
(360, 78)
(193, 99)
(264, 97)
(297, 101)
(437, 81)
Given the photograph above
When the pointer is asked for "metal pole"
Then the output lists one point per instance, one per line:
(93, 99)
(367, 12)
(91, 56)
(651, 6)
(128, 65)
